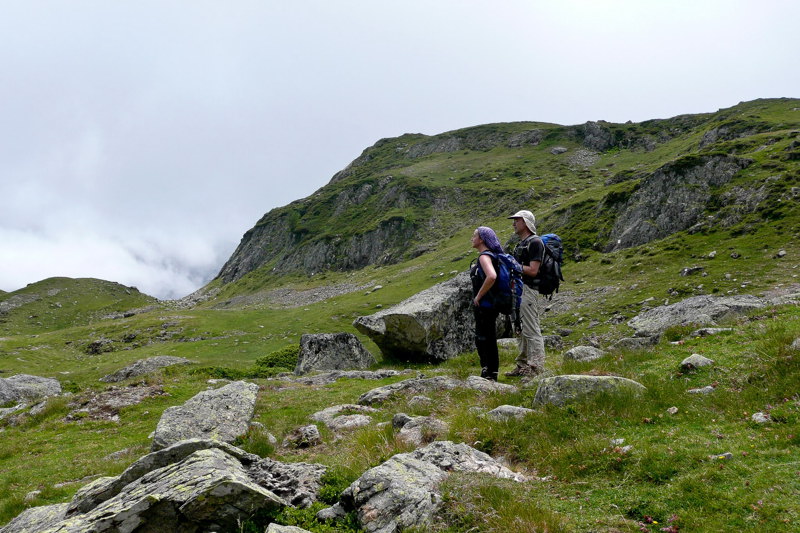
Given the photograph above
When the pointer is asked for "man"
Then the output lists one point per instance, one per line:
(529, 253)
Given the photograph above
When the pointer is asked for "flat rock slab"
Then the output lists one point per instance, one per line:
(326, 378)
(346, 416)
(695, 361)
(560, 390)
(221, 414)
(433, 325)
(506, 412)
(697, 310)
(144, 367)
(438, 383)
(332, 351)
(27, 388)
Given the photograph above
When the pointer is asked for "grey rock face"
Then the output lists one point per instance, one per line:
(487, 385)
(143, 367)
(403, 491)
(420, 429)
(303, 437)
(672, 199)
(583, 353)
(222, 414)
(700, 310)
(332, 351)
(296, 483)
(560, 390)
(433, 325)
(23, 388)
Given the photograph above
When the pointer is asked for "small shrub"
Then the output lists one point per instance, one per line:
(283, 359)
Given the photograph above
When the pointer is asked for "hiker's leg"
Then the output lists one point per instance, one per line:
(486, 341)
(531, 341)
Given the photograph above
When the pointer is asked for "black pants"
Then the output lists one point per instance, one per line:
(486, 341)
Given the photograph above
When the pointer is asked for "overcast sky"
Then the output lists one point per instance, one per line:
(140, 139)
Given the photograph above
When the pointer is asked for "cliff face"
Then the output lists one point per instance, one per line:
(602, 186)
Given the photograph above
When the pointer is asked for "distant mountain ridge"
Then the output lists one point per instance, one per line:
(601, 185)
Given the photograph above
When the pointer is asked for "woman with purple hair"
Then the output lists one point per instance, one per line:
(483, 273)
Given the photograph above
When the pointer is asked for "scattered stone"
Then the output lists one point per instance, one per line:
(712, 255)
(781, 254)
(32, 495)
(332, 351)
(583, 353)
(24, 388)
(557, 150)
(560, 390)
(303, 437)
(419, 401)
(695, 361)
(673, 410)
(707, 332)
(143, 367)
(419, 430)
(504, 412)
(508, 343)
(487, 385)
(796, 344)
(708, 389)
(403, 492)
(553, 341)
(222, 414)
(333, 418)
(415, 385)
(727, 456)
(688, 271)
(635, 343)
(700, 310)
(106, 405)
(327, 378)
(433, 325)
(275, 528)
(760, 418)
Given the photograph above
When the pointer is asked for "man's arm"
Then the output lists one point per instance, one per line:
(531, 269)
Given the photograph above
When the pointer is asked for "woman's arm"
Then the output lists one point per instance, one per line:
(491, 275)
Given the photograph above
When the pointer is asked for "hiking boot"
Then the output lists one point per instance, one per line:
(519, 371)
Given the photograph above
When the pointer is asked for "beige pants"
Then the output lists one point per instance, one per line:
(531, 342)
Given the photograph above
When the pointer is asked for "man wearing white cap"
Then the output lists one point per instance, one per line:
(529, 253)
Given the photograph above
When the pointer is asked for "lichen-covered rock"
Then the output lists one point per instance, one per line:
(143, 367)
(415, 385)
(276, 528)
(433, 325)
(221, 414)
(303, 437)
(583, 354)
(403, 492)
(332, 351)
(296, 483)
(326, 378)
(697, 310)
(560, 390)
(26, 388)
(421, 429)
(208, 489)
(36, 519)
(487, 385)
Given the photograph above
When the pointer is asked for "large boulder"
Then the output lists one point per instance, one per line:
(221, 414)
(194, 485)
(332, 351)
(143, 367)
(433, 325)
(404, 492)
(697, 310)
(24, 388)
(560, 390)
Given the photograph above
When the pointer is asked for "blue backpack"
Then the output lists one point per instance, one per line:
(506, 293)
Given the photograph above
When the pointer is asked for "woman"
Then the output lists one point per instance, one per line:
(483, 273)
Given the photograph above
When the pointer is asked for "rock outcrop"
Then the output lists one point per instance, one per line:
(221, 414)
(143, 367)
(697, 310)
(332, 351)
(422, 385)
(24, 388)
(403, 492)
(433, 325)
(560, 390)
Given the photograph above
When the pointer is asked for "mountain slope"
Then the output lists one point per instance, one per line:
(600, 185)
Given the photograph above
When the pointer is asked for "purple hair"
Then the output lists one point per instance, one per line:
(489, 238)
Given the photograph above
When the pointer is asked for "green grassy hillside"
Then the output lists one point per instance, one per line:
(80, 330)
